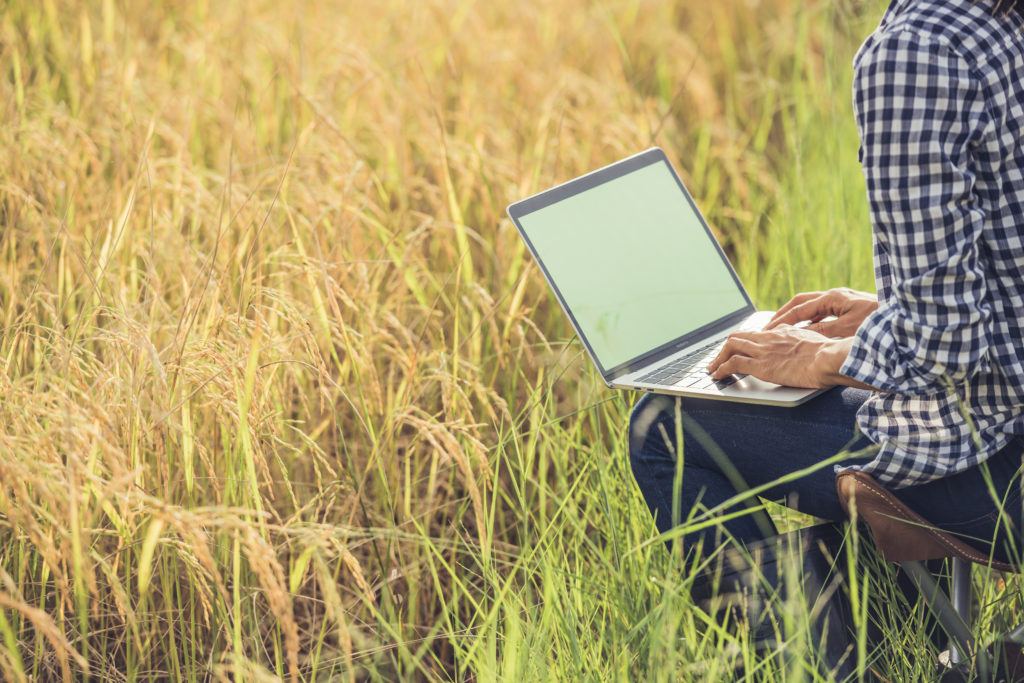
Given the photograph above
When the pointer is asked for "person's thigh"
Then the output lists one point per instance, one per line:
(981, 506)
(754, 445)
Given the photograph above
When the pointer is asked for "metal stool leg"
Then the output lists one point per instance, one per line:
(960, 591)
(949, 613)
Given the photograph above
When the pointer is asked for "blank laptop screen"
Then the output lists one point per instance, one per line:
(633, 263)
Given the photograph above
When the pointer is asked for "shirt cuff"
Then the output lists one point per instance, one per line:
(874, 358)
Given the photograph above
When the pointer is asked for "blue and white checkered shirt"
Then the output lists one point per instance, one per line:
(939, 101)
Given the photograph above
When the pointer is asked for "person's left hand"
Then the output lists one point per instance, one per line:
(786, 355)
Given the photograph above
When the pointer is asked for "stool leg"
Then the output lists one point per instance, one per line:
(1016, 635)
(961, 594)
(948, 616)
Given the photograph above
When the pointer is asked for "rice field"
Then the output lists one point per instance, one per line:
(282, 395)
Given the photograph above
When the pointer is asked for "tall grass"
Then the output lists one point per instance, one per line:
(282, 396)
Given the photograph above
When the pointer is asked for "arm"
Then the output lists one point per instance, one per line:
(932, 326)
(919, 114)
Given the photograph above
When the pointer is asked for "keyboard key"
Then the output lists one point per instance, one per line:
(694, 363)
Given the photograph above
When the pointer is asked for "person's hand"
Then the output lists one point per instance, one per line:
(791, 356)
(848, 305)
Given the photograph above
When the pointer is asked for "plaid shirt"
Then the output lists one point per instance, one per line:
(939, 102)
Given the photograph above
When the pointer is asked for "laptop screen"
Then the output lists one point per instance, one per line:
(633, 262)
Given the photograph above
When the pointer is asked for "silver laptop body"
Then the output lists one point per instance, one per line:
(643, 280)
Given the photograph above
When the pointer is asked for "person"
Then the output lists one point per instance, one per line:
(928, 375)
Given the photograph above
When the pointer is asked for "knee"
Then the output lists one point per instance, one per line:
(652, 412)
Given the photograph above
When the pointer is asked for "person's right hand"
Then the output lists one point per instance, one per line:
(848, 305)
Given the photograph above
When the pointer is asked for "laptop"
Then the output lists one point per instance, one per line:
(643, 280)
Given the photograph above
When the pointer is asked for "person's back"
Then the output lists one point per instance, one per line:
(940, 108)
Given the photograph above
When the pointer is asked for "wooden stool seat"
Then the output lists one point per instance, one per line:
(902, 535)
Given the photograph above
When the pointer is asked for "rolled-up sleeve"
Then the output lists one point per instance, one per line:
(920, 114)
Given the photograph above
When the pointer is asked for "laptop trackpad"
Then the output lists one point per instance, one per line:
(755, 389)
(751, 383)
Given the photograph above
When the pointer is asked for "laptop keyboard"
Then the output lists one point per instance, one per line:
(689, 371)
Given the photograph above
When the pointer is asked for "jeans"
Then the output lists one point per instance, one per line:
(729, 447)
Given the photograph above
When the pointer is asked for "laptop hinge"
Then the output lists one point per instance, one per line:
(666, 350)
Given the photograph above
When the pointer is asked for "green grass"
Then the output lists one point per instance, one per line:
(282, 396)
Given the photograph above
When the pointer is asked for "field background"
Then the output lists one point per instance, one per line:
(282, 396)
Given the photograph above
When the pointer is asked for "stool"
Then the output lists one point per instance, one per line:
(903, 536)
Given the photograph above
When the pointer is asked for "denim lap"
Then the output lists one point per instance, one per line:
(728, 447)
